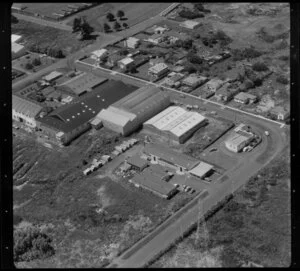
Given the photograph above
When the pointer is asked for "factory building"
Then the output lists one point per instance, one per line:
(126, 115)
(159, 154)
(69, 121)
(25, 111)
(175, 123)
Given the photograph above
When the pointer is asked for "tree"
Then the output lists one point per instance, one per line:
(31, 243)
(106, 28)
(120, 14)
(117, 26)
(86, 30)
(123, 52)
(28, 66)
(36, 62)
(259, 67)
(76, 25)
(282, 80)
(110, 17)
(125, 25)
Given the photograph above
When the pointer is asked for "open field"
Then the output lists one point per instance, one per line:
(34, 34)
(253, 227)
(50, 191)
(134, 14)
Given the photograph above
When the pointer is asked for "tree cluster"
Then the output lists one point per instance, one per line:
(190, 14)
(31, 243)
(83, 27)
(282, 80)
(246, 53)
(260, 67)
(111, 18)
(50, 51)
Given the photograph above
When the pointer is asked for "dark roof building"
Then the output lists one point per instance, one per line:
(69, 117)
(152, 178)
(170, 157)
(137, 162)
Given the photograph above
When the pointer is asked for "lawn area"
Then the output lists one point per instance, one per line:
(90, 219)
(134, 13)
(45, 36)
(255, 226)
(44, 61)
(142, 71)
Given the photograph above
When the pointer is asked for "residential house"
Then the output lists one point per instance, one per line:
(126, 63)
(245, 98)
(132, 42)
(158, 71)
(280, 112)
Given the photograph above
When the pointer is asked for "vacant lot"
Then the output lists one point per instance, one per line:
(255, 226)
(44, 36)
(134, 14)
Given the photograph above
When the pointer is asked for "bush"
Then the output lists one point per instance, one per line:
(246, 53)
(36, 62)
(260, 67)
(284, 58)
(282, 80)
(28, 66)
(31, 243)
(189, 14)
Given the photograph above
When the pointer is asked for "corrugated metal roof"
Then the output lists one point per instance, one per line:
(25, 107)
(176, 120)
(137, 161)
(119, 119)
(171, 156)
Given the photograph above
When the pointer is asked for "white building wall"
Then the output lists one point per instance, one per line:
(29, 121)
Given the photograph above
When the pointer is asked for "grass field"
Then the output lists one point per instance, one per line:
(134, 14)
(55, 195)
(255, 226)
(47, 36)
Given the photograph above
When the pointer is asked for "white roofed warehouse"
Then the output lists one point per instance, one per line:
(126, 115)
(175, 123)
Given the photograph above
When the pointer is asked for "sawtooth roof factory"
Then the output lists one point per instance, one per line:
(175, 123)
(129, 113)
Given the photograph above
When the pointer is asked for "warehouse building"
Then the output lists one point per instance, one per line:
(129, 113)
(175, 123)
(52, 76)
(153, 179)
(238, 140)
(69, 121)
(25, 111)
(158, 154)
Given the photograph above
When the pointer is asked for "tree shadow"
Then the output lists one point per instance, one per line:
(93, 37)
(123, 18)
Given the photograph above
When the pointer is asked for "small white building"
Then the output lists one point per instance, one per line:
(236, 142)
(17, 50)
(194, 80)
(132, 42)
(244, 98)
(99, 55)
(190, 24)
(202, 170)
(126, 63)
(15, 38)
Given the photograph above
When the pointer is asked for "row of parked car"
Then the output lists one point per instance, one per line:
(104, 159)
(186, 188)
